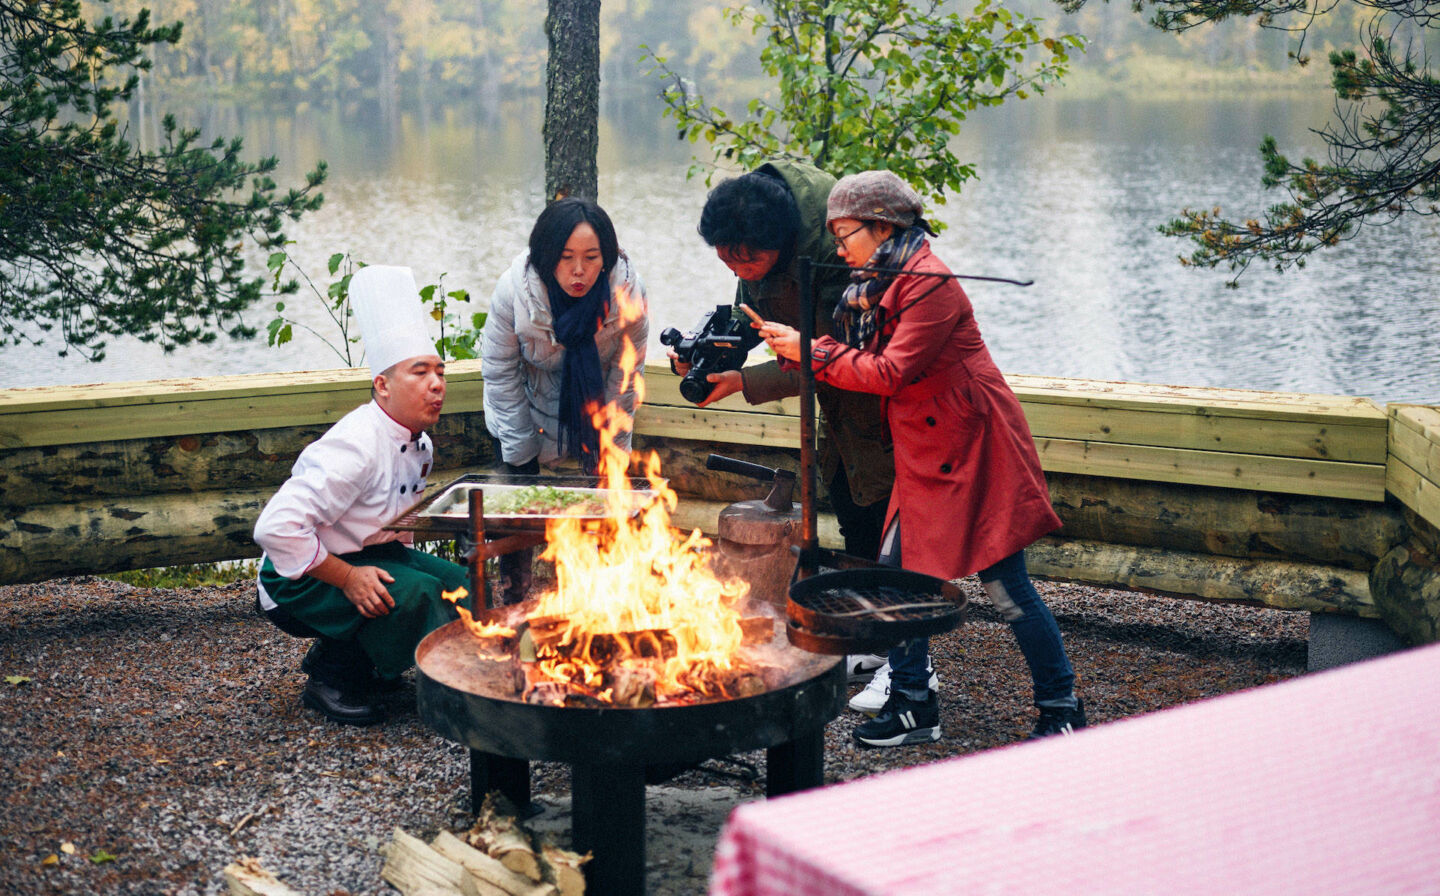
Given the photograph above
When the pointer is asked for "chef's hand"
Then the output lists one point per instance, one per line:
(365, 588)
(782, 339)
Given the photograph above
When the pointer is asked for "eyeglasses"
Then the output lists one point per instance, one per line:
(841, 238)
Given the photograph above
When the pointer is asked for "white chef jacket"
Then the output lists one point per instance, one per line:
(358, 477)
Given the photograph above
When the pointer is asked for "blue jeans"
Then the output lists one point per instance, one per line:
(1010, 589)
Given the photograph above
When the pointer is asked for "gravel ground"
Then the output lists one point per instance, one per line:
(152, 736)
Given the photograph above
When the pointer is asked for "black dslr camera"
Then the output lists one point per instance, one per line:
(721, 343)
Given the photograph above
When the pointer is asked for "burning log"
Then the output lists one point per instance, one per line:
(555, 636)
(633, 686)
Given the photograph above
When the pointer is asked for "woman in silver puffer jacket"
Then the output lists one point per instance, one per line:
(573, 247)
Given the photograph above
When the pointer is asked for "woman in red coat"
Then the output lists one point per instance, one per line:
(969, 492)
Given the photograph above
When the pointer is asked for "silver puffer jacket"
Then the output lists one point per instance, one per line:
(522, 362)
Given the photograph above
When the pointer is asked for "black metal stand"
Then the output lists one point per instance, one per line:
(509, 776)
(810, 538)
(607, 819)
(607, 803)
(796, 765)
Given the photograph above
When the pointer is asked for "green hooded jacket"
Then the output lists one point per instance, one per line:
(852, 429)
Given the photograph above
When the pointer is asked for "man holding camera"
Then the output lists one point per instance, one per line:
(761, 224)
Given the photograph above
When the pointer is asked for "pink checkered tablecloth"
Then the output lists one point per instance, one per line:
(1324, 784)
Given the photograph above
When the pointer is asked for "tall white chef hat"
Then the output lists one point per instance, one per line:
(392, 319)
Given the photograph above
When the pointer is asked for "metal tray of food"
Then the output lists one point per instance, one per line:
(531, 501)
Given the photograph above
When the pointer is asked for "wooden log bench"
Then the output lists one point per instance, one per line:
(1283, 500)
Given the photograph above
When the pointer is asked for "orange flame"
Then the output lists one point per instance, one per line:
(477, 628)
(634, 575)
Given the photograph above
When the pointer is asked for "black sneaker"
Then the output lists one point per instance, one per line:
(1060, 720)
(902, 721)
(861, 666)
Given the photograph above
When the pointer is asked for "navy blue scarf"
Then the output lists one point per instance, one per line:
(581, 380)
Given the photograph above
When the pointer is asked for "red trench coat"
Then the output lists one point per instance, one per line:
(968, 483)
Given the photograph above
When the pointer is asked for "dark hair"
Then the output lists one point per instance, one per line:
(553, 228)
(754, 210)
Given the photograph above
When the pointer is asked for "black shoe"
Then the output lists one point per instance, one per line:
(338, 704)
(1061, 720)
(378, 685)
(345, 664)
(902, 721)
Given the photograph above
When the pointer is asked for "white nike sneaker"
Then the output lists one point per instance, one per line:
(871, 700)
(861, 666)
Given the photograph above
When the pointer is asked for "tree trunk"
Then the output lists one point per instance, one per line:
(572, 99)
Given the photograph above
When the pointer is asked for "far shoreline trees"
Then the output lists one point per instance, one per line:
(1382, 144)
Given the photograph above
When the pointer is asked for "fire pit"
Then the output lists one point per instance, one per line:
(640, 657)
(473, 700)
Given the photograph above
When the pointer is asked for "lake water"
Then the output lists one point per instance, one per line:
(1070, 194)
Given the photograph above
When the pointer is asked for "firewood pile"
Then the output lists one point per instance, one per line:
(496, 857)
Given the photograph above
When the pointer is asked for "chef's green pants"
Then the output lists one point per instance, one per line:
(388, 640)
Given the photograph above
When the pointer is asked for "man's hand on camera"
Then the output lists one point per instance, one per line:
(677, 367)
(727, 382)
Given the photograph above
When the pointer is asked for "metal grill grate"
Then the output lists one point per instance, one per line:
(885, 603)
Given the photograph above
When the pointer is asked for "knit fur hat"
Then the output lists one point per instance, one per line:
(876, 196)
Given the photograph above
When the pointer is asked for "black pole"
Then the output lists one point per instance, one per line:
(810, 540)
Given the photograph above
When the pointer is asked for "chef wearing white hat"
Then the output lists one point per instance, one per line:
(329, 563)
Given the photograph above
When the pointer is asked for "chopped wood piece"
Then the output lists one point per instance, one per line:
(414, 868)
(562, 868)
(488, 875)
(501, 837)
(246, 878)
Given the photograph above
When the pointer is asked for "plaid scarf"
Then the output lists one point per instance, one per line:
(859, 316)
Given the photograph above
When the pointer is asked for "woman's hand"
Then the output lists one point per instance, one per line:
(783, 340)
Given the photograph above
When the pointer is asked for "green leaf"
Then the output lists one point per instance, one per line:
(101, 857)
(334, 263)
(17, 680)
(276, 261)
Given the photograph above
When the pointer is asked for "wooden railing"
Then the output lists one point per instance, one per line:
(1412, 469)
(1273, 498)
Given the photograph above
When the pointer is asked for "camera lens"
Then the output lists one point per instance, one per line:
(670, 336)
(695, 389)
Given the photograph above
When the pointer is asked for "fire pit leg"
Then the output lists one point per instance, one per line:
(509, 776)
(607, 818)
(795, 765)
